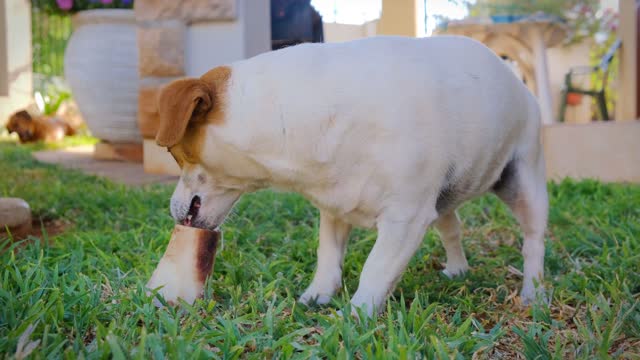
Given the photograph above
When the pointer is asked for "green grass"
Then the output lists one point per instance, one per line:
(81, 292)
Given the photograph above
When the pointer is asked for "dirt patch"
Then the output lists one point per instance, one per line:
(48, 227)
(41, 229)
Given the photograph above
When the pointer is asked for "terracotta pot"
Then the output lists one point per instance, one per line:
(101, 67)
(574, 99)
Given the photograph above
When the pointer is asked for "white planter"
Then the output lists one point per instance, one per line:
(101, 67)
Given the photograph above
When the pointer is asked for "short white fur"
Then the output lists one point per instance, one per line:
(370, 131)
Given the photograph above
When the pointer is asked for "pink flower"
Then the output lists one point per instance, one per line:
(65, 4)
(106, 2)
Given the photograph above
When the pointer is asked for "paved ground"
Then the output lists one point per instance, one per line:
(81, 158)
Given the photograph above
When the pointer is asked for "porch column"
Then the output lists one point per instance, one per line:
(627, 105)
(399, 17)
(542, 74)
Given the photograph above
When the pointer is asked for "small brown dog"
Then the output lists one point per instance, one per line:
(43, 128)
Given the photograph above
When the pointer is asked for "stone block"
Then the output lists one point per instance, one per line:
(161, 49)
(188, 11)
(148, 117)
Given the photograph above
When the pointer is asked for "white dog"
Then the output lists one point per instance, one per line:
(388, 133)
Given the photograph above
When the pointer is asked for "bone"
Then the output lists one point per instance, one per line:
(185, 265)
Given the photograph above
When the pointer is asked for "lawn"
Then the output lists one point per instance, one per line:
(81, 292)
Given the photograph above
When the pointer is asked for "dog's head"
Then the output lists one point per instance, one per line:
(22, 124)
(189, 109)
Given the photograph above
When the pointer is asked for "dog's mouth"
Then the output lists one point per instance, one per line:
(194, 208)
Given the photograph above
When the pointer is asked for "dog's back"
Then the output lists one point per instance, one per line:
(432, 109)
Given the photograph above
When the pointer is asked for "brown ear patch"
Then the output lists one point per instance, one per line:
(185, 106)
(219, 77)
(23, 114)
(181, 103)
(19, 119)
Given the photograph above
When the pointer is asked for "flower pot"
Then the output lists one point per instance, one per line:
(101, 67)
(505, 18)
(574, 99)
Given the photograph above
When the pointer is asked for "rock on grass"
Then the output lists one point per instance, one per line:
(15, 216)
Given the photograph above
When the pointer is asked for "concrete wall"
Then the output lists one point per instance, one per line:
(607, 151)
(334, 32)
(257, 27)
(226, 39)
(16, 88)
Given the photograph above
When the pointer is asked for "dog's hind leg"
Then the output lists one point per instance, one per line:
(328, 277)
(522, 186)
(448, 226)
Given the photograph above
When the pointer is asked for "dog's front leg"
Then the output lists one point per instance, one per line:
(328, 277)
(397, 241)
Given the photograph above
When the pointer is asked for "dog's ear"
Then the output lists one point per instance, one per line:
(23, 114)
(180, 104)
(19, 118)
(18, 121)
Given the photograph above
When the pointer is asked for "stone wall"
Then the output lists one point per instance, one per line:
(188, 38)
(162, 34)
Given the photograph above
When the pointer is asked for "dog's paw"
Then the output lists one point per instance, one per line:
(455, 271)
(321, 290)
(311, 296)
(533, 295)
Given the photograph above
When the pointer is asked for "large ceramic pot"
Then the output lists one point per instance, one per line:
(101, 67)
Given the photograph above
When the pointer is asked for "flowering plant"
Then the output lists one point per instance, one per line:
(72, 6)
